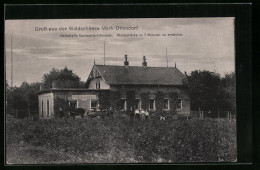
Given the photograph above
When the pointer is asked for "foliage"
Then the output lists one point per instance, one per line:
(159, 101)
(173, 96)
(33, 105)
(115, 97)
(145, 101)
(208, 91)
(60, 103)
(19, 98)
(130, 99)
(119, 140)
(104, 99)
(63, 78)
(229, 86)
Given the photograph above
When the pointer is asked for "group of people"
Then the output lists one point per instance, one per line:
(139, 114)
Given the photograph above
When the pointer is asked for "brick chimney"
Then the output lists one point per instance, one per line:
(126, 63)
(144, 64)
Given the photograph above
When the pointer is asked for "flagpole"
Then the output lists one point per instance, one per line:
(104, 52)
(11, 61)
(166, 57)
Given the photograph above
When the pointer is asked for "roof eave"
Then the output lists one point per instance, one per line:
(145, 84)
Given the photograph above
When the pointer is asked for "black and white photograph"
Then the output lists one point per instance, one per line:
(122, 90)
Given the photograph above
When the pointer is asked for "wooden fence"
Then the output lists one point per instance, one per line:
(213, 114)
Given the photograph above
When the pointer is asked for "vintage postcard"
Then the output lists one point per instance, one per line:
(139, 90)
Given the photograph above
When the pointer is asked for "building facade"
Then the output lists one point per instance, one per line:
(140, 79)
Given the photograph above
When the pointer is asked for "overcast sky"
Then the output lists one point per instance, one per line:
(205, 44)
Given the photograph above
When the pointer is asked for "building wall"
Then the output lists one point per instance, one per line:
(43, 106)
(83, 99)
(185, 110)
(152, 90)
(103, 84)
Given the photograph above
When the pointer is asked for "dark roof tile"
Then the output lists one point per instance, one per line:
(140, 75)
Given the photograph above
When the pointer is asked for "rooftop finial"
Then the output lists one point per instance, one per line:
(94, 62)
(104, 52)
(175, 64)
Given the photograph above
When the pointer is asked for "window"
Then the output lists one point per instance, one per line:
(97, 84)
(94, 105)
(137, 104)
(123, 104)
(42, 108)
(73, 104)
(166, 104)
(152, 104)
(97, 73)
(179, 104)
(48, 108)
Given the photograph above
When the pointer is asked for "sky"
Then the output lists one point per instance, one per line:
(201, 44)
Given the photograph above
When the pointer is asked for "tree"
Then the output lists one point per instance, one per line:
(228, 84)
(208, 91)
(205, 90)
(18, 98)
(17, 101)
(63, 78)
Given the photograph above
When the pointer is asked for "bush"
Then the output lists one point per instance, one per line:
(115, 97)
(130, 99)
(60, 103)
(159, 101)
(104, 99)
(145, 101)
(173, 101)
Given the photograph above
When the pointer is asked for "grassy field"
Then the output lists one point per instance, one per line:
(118, 140)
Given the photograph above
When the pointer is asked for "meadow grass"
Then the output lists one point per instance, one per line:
(119, 140)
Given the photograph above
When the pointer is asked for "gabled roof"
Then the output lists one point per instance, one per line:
(120, 75)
